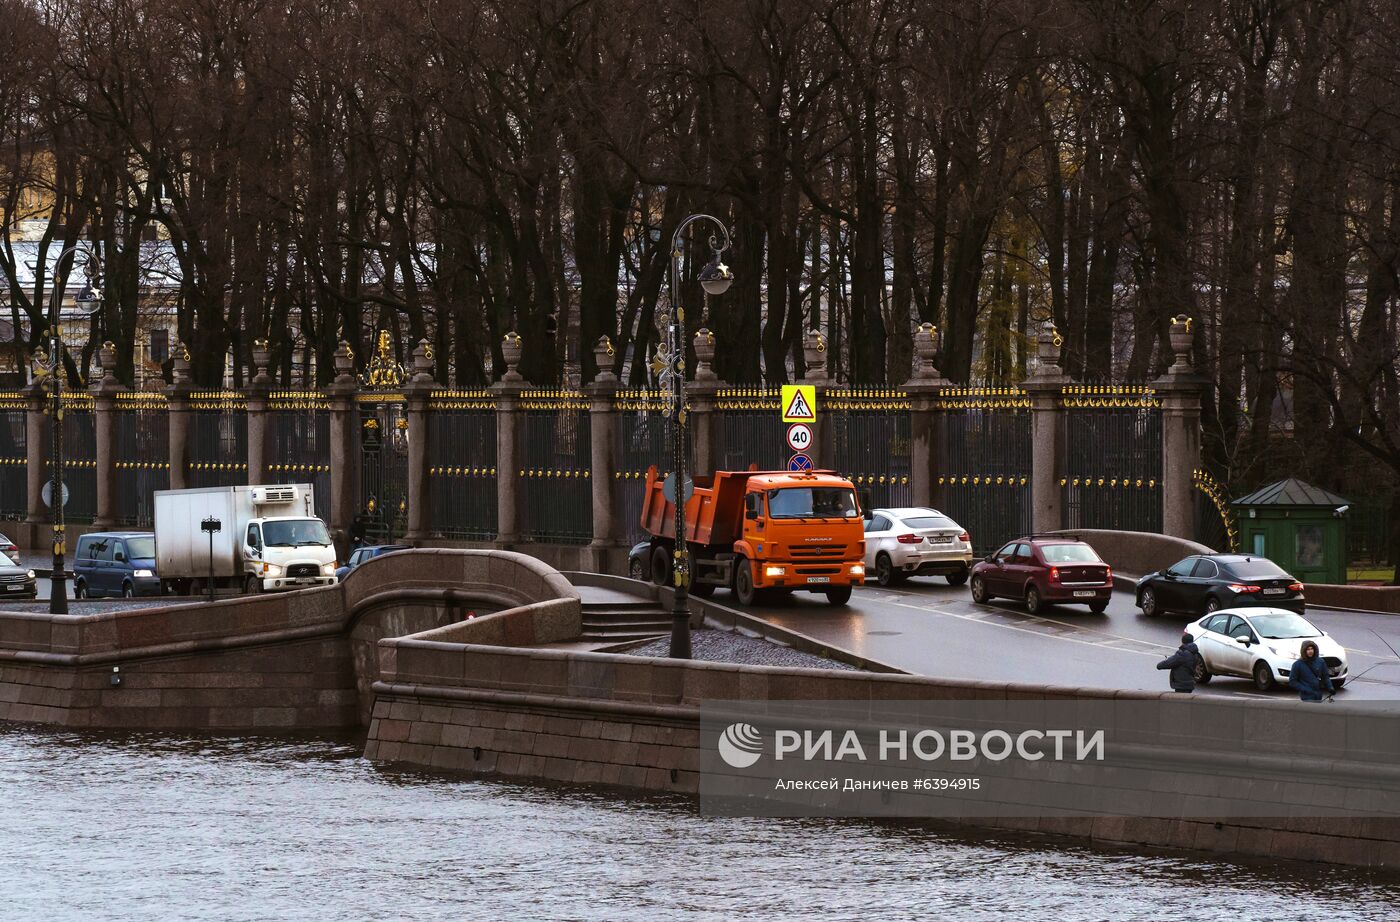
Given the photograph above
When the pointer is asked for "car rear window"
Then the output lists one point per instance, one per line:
(1256, 568)
(931, 521)
(1069, 553)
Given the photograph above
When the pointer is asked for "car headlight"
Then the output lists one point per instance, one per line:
(142, 573)
(29, 574)
(328, 569)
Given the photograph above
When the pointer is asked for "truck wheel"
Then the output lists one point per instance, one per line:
(743, 583)
(839, 596)
(252, 585)
(702, 590)
(660, 566)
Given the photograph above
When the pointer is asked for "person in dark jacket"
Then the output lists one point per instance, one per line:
(1182, 664)
(1310, 674)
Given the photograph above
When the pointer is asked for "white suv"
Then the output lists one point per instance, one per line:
(900, 543)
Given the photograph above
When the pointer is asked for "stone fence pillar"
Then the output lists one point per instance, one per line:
(925, 418)
(36, 439)
(178, 405)
(823, 449)
(1047, 433)
(345, 445)
(604, 461)
(258, 390)
(104, 408)
(418, 390)
(700, 395)
(507, 392)
(1180, 392)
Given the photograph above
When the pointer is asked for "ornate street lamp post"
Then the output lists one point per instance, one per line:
(715, 278)
(89, 299)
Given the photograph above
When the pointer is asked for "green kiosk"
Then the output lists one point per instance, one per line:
(1298, 526)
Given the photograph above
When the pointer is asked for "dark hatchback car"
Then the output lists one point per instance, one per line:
(1041, 570)
(367, 552)
(1200, 585)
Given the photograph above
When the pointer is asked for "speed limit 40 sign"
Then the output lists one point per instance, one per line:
(799, 436)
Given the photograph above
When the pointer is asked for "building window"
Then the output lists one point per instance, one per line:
(160, 346)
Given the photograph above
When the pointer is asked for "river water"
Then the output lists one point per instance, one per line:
(145, 826)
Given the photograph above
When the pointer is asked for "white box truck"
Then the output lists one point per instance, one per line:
(268, 539)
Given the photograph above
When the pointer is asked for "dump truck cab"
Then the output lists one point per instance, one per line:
(761, 533)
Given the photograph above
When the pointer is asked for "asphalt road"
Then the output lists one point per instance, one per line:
(928, 627)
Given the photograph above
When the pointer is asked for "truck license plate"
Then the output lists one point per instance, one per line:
(818, 579)
(1275, 591)
(1084, 593)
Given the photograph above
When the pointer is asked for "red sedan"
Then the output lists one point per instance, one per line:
(1041, 570)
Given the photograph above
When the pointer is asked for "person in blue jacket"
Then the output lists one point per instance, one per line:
(1309, 674)
(1182, 664)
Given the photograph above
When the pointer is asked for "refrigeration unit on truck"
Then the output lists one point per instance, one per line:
(762, 533)
(268, 539)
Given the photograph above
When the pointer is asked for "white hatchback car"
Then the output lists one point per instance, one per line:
(1262, 644)
(900, 543)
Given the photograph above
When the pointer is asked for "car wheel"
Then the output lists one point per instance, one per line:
(743, 583)
(1032, 599)
(1263, 676)
(1212, 605)
(979, 590)
(1098, 608)
(660, 566)
(128, 591)
(958, 578)
(79, 591)
(635, 570)
(1201, 672)
(1148, 602)
(838, 596)
(884, 570)
(1338, 683)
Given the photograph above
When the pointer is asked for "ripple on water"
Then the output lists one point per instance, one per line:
(133, 825)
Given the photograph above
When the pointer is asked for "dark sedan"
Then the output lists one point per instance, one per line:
(16, 580)
(366, 553)
(1200, 585)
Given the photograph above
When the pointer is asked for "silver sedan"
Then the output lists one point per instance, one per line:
(900, 543)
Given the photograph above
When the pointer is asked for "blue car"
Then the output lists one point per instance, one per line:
(115, 563)
(369, 551)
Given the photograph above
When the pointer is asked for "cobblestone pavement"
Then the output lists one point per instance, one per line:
(726, 647)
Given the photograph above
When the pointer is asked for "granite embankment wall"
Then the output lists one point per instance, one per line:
(292, 660)
(635, 722)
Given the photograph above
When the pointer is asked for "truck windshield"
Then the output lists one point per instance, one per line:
(295, 533)
(815, 502)
(140, 548)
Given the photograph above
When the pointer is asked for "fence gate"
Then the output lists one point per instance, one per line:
(383, 467)
(218, 455)
(984, 463)
(142, 456)
(556, 486)
(1113, 469)
(14, 456)
(870, 434)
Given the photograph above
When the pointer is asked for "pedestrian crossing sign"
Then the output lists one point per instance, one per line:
(799, 403)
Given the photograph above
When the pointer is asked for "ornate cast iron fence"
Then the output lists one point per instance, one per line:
(751, 430)
(141, 456)
(462, 464)
(299, 428)
(1113, 466)
(555, 484)
(870, 435)
(79, 457)
(984, 463)
(383, 467)
(643, 441)
(218, 454)
(1215, 520)
(14, 456)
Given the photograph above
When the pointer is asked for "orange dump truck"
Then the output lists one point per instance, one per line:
(760, 533)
